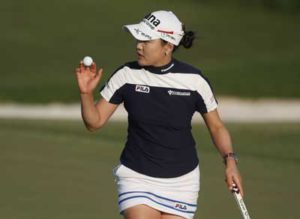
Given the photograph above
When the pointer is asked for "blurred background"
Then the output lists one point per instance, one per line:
(246, 48)
(56, 169)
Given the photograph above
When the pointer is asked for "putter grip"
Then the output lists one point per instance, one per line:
(241, 204)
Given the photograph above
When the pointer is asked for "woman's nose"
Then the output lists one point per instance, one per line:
(139, 45)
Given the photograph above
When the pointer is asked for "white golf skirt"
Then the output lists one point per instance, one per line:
(176, 195)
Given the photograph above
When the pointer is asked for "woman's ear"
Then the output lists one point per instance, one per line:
(169, 48)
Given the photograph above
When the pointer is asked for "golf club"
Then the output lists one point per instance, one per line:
(239, 199)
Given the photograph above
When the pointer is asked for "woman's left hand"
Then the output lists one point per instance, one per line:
(233, 177)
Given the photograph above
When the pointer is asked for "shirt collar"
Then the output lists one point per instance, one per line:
(161, 69)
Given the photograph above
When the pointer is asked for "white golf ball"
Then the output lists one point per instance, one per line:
(87, 61)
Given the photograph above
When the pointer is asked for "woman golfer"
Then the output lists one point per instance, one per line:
(158, 175)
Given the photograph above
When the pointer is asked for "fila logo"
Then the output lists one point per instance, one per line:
(142, 88)
(152, 19)
(181, 206)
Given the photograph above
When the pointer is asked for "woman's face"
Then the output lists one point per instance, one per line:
(153, 52)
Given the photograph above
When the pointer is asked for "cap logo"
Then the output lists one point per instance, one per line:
(139, 32)
(152, 20)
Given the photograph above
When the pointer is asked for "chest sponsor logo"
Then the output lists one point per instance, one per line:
(179, 93)
(142, 88)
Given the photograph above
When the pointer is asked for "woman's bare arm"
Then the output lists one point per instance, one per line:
(222, 141)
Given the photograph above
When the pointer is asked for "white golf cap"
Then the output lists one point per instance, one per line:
(159, 24)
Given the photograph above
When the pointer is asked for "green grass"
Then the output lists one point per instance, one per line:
(245, 51)
(56, 169)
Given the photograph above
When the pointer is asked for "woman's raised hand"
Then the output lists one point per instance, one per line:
(88, 77)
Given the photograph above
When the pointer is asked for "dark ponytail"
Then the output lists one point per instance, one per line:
(188, 39)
